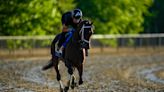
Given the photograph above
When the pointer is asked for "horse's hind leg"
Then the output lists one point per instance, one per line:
(80, 70)
(58, 76)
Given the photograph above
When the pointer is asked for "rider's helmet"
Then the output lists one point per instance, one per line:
(77, 14)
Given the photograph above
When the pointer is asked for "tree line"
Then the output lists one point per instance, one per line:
(43, 17)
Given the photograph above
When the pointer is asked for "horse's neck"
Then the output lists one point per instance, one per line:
(75, 38)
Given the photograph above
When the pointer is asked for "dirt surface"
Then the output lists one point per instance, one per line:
(102, 73)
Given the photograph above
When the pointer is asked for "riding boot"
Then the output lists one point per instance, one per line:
(47, 66)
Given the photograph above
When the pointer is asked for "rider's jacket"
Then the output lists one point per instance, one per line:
(68, 21)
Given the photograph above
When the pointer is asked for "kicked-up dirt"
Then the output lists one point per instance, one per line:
(102, 73)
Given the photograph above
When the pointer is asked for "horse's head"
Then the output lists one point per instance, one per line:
(85, 32)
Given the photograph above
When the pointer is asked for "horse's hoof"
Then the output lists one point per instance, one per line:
(74, 85)
(62, 89)
(66, 89)
(80, 82)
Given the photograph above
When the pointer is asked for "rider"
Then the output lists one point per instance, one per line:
(70, 21)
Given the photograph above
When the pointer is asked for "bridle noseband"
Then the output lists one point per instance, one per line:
(82, 33)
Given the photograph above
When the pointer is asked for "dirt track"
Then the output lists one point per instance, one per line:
(102, 73)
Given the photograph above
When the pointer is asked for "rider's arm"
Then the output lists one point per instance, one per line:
(68, 36)
(53, 43)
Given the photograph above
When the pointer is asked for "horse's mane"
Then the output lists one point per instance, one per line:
(86, 21)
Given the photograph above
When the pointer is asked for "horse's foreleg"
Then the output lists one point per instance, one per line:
(58, 76)
(80, 70)
(71, 82)
(71, 77)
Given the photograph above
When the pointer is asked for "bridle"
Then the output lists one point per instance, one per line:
(81, 32)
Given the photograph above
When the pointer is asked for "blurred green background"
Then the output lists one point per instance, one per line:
(43, 17)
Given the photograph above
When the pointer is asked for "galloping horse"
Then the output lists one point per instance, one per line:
(74, 53)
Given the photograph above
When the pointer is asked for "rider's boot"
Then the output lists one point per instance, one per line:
(48, 66)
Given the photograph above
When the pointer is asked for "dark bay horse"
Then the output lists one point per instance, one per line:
(74, 53)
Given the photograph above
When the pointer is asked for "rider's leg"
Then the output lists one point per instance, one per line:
(66, 36)
(60, 38)
(50, 63)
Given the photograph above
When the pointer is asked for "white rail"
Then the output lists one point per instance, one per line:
(96, 36)
(127, 36)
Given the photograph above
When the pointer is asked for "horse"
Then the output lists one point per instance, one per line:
(74, 54)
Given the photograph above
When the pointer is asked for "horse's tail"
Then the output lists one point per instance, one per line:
(53, 44)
